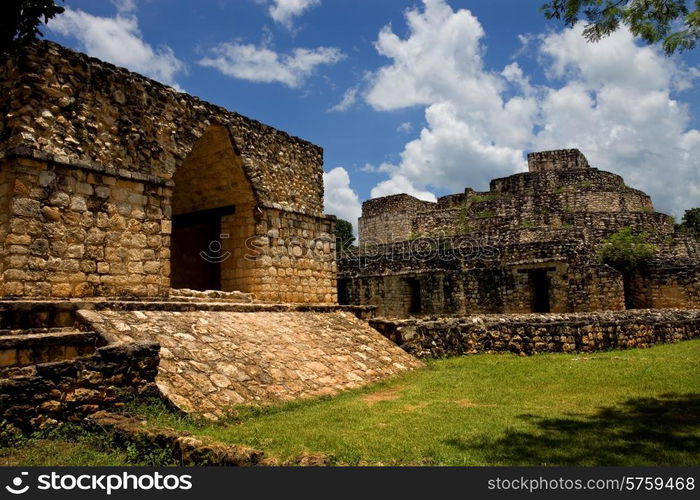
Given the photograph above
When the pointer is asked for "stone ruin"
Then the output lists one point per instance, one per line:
(113, 184)
(528, 245)
(151, 242)
(155, 244)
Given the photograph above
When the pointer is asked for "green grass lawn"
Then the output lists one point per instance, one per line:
(68, 446)
(636, 407)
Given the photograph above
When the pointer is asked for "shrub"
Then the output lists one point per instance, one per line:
(626, 251)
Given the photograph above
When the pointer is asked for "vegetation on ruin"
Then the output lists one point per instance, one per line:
(626, 251)
(479, 198)
(463, 217)
(344, 237)
(691, 222)
(20, 20)
(485, 214)
(635, 407)
(669, 22)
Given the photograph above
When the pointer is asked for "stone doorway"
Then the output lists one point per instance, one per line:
(212, 219)
(414, 296)
(539, 290)
(197, 249)
(343, 292)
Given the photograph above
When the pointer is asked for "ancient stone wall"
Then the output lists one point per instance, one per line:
(119, 186)
(665, 286)
(294, 258)
(463, 275)
(530, 334)
(389, 219)
(78, 109)
(34, 396)
(82, 232)
(561, 159)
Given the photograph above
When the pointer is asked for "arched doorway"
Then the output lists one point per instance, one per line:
(212, 216)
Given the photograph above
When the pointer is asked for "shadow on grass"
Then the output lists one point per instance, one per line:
(641, 431)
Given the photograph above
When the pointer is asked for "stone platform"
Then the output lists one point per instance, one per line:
(214, 357)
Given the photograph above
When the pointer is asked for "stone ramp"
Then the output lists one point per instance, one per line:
(211, 360)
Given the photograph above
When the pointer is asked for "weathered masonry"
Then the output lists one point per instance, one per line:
(112, 184)
(529, 244)
(155, 244)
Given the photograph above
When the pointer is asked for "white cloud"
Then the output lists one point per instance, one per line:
(262, 64)
(340, 199)
(405, 127)
(125, 6)
(613, 100)
(616, 104)
(118, 40)
(348, 100)
(284, 11)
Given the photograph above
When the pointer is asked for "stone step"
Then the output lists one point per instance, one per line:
(28, 349)
(34, 331)
(210, 295)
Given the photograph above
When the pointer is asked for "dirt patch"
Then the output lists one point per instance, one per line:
(387, 395)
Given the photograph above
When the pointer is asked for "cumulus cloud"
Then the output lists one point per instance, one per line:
(340, 198)
(284, 11)
(118, 40)
(616, 104)
(262, 64)
(614, 100)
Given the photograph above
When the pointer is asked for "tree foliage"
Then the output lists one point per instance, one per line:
(343, 235)
(671, 22)
(626, 251)
(691, 221)
(20, 20)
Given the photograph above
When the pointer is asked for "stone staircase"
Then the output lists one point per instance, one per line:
(34, 346)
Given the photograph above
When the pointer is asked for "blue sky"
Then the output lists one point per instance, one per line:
(422, 96)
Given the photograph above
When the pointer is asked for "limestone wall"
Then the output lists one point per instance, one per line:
(463, 275)
(294, 258)
(45, 394)
(119, 186)
(666, 286)
(530, 334)
(389, 218)
(556, 160)
(78, 109)
(82, 232)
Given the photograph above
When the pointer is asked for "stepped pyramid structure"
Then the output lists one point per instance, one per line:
(529, 244)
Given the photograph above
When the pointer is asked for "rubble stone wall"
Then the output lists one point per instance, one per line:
(437, 337)
(45, 394)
